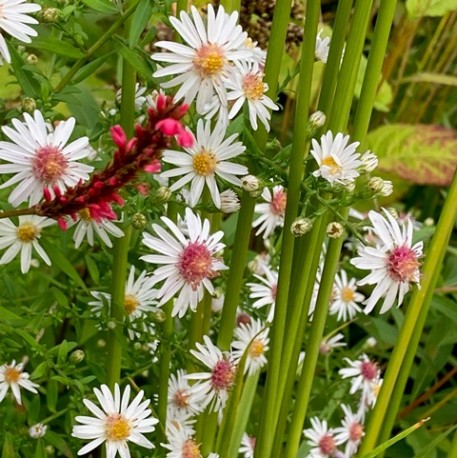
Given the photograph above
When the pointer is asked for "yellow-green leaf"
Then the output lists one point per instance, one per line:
(420, 8)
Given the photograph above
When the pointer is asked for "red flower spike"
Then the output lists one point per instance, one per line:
(119, 136)
(62, 224)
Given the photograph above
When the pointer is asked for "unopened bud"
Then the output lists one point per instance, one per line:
(77, 356)
(334, 230)
(50, 15)
(301, 226)
(229, 201)
(350, 186)
(139, 221)
(387, 188)
(369, 162)
(50, 450)
(159, 316)
(429, 222)
(375, 184)
(31, 59)
(250, 183)
(163, 194)
(274, 144)
(371, 342)
(317, 119)
(111, 325)
(138, 346)
(101, 343)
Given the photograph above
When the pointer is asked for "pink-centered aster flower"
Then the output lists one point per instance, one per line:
(187, 263)
(272, 212)
(322, 439)
(41, 159)
(394, 261)
(363, 372)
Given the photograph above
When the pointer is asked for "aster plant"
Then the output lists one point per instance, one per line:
(206, 249)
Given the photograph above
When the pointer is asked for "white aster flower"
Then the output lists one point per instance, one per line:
(37, 431)
(394, 261)
(210, 51)
(139, 299)
(345, 298)
(247, 446)
(363, 372)
(216, 384)
(188, 264)
(369, 162)
(40, 159)
(139, 98)
(252, 338)
(369, 397)
(118, 423)
(333, 342)
(322, 47)
(181, 444)
(321, 438)
(350, 432)
(13, 20)
(13, 377)
(247, 85)
(230, 202)
(272, 212)
(86, 227)
(183, 401)
(266, 292)
(206, 159)
(23, 238)
(338, 162)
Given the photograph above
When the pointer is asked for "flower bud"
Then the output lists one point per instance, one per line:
(77, 356)
(50, 450)
(301, 226)
(159, 316)
(375, 184)
(350, 186)
(163, 194)
(369, 162)
(334, 230)
(111, 325)
(138, 346)
(37, 431)
(31, 59)
(387, 188)
(250, 183)
(101, 343)
(229, 201)
(317, 119)
(428, 222)
(50, 15)
(139, 221)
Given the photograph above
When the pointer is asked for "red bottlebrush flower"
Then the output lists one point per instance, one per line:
(141, 153)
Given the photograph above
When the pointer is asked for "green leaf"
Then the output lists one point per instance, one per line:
(28, 83)
(429, 77)
(421, 154)
(11, 318)
(57, 46)
(64, 348)
(51, 395)
(63, 263)
(61, 298)
(135, 59)
(58, 442)
(102, 6)
(420, 8)
(89, 69)
(8, 447)
(93, 269)
(39, 371)
(40, 451)
(139, 20)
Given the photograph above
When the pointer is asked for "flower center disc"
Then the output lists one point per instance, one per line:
(347, 294)
(130, 303)
(204, 163)
(403, 264)
(256, 348)
(222, 375)
(209, 60)
(190, 450)
(278, 203)
(253, 86)
(85, 214)
(368, 370)
(117, 428)
(12, 375)
(327, 444)
(181, 399)
(49, 164)
(195, 264)
(27, 232)
(356, 432)
(330, 162)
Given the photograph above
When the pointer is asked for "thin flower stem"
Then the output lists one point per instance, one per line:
(398, 370)
(95, 47)
(242, 235)
(18, 212)
(313, 347)
(121, 245)
(265, 437)
(452, 450)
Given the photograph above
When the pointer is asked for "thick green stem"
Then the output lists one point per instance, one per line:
(240, 251)
(313, 347)
(121, 245)
(95, 47)
(404, 351)
(265, 437)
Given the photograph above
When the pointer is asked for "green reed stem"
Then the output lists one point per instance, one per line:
(242, 235)
(452, 450)
(121, 245)
(268, 419)
(313, 347)
(96, 46)
(403, 353)
(182, 5)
